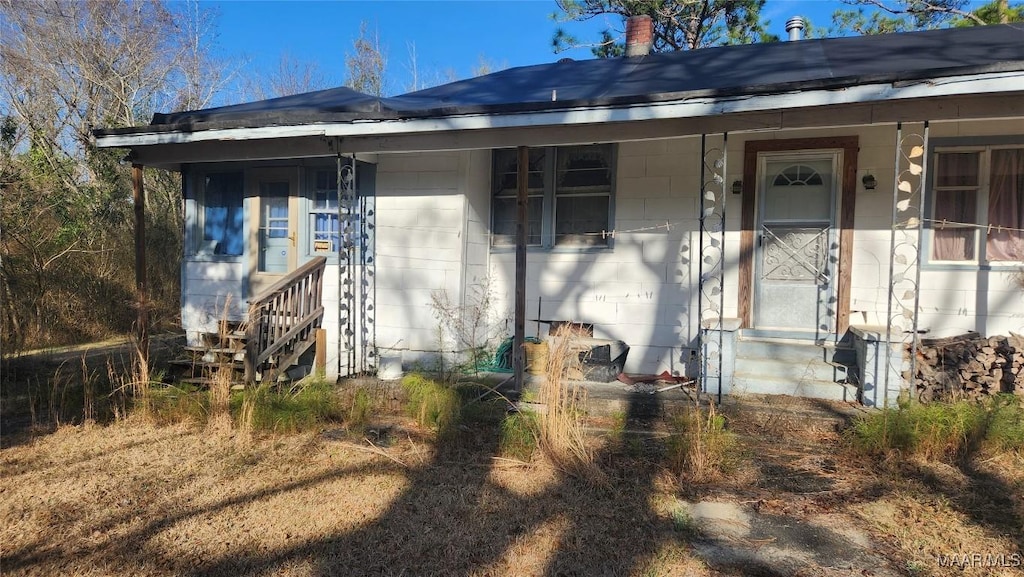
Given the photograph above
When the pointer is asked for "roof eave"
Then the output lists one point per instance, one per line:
(1005, 77)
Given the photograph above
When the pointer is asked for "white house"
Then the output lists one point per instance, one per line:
(749, 212)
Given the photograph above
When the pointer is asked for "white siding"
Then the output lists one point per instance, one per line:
(213, 291)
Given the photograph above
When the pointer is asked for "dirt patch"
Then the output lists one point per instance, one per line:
(731, 536)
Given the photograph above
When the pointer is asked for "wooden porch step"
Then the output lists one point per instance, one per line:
(221, 337)
(233, 364)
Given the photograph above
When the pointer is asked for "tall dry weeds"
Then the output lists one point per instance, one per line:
(254, 395)
(220, 381)
(88, 393)
(221, 377)
(139, 382)
(562, 434)
(702, 449)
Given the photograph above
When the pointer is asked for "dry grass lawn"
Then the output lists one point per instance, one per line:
(136, 499)
(133, 499)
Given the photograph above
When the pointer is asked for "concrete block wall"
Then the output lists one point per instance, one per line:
(642, 290)
(952, 301)
(476, 170)
(433, 215)
(420, 244)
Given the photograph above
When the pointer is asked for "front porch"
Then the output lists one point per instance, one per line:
(613, 212)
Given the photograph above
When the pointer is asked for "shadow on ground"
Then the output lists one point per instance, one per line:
(597, 528)
(452, 517)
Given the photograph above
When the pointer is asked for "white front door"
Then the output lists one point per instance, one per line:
(796, 248)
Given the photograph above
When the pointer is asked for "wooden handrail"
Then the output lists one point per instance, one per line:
(292, 277)
(282, 321)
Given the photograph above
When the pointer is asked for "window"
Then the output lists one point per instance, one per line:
(797, 175)
(977, 209)
(506, 164)
(569, 196)
(222, 215)
(324, 232)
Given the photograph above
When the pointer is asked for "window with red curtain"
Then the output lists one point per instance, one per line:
(1006, 206)
(978, 194)
(957, 184)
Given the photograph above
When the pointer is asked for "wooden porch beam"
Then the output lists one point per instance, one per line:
(519, 340)
(141, 294)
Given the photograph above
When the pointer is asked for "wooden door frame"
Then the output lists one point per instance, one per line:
(253, 178)
(848, 196)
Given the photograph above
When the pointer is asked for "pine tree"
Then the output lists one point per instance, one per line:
(678, 24)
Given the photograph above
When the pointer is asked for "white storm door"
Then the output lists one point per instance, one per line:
(797, 246)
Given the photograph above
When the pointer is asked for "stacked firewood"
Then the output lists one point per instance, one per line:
(969, 366)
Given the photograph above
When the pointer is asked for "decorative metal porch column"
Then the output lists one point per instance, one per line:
(905, 265)
(356, 273)
(367, 207)
(347, 274)
(710, 296)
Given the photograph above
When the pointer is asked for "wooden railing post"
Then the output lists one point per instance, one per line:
(141, 288)
(282, 320)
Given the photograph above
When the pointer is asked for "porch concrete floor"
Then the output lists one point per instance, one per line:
(616, 398)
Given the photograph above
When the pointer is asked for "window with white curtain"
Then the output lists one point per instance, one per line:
(325, 233)
(977, 208)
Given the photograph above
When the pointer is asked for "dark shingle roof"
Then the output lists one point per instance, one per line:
(711, 72)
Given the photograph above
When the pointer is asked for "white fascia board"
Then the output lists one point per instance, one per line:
(693, 108)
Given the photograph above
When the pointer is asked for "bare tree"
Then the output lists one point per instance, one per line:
(367, 63)
(292, 76)
(200, 76)
(65, 68)
(485, 66)
(413, 66)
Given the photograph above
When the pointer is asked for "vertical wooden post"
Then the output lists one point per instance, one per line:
(519, 340)
(141, 295)
(320, 353)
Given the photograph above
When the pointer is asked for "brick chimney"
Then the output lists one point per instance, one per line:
(639, 35)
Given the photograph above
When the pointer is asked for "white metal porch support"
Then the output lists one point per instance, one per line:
(905, 244)
(356, 274)
(711, 267)
(367, 209)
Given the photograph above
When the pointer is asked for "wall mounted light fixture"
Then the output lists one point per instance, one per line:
(737, 187)
(869, 181)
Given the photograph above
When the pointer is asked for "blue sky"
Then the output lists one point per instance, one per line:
(450, 37)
